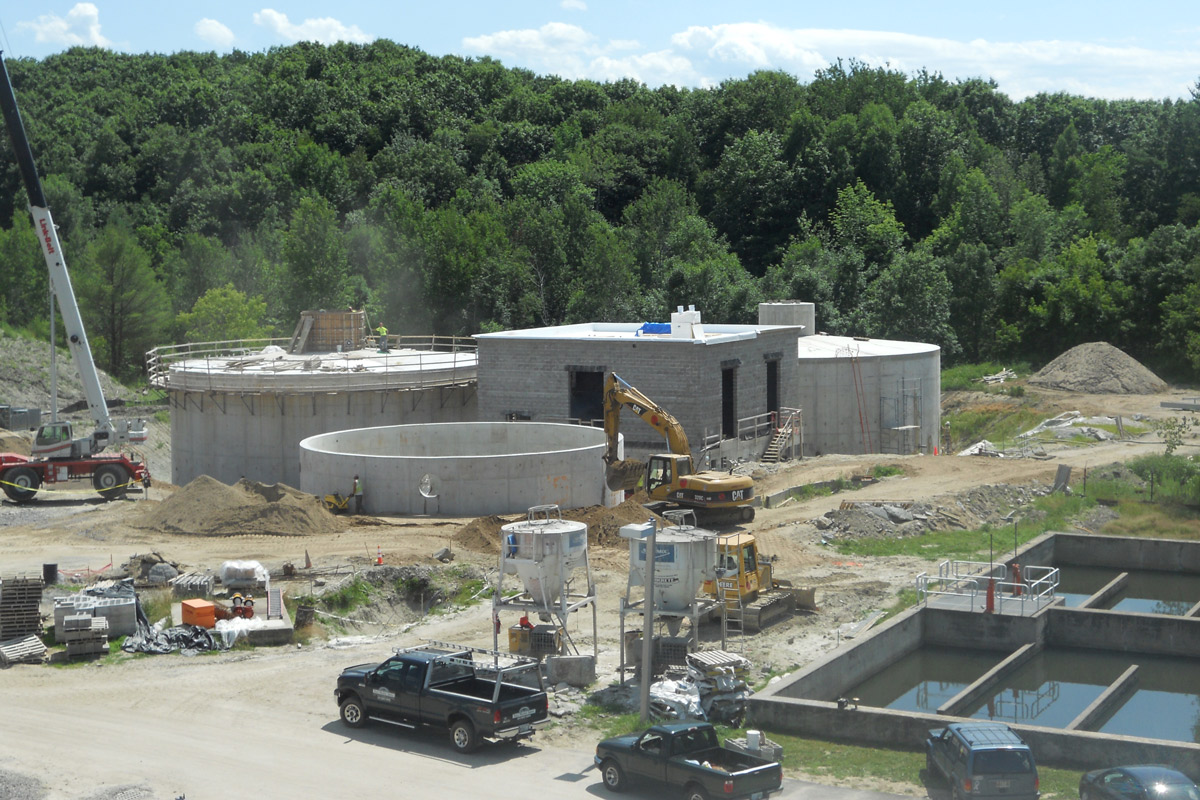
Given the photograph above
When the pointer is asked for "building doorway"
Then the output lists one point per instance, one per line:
(773, 387)
(587, 396)
(729, 403)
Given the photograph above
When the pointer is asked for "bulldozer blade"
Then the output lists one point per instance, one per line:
(624, 474)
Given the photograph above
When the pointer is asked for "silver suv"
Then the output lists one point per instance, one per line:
(982, 760)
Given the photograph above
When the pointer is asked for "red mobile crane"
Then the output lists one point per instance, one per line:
(58, 456)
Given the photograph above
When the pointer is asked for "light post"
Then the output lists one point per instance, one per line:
(647, 534)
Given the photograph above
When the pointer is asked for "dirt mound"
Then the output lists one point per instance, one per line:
(11, 442)
(207, 507)
(482, 535)
(1098, 368)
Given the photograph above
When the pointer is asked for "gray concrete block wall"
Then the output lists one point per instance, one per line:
(530, 376)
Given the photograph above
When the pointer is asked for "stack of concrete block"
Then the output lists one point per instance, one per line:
(84, 634)
(20, 598)
(121, 612)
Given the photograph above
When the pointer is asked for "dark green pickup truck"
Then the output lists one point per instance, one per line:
(447, 687)
(686, 756)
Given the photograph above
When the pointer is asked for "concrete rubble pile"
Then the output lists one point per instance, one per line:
(988, 504)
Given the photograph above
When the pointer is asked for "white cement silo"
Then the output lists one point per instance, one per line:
(549, 556)
(543, 550)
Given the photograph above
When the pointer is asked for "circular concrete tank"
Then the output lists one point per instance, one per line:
(240, 409)
(869, 395)
(463, 469)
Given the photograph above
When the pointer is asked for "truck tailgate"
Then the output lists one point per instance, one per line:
(524, 710)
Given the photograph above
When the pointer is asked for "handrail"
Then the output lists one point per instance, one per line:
(459, 368)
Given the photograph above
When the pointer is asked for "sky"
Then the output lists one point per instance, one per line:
(1104, 49)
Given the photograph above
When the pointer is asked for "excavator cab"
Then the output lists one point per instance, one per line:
(665, 470)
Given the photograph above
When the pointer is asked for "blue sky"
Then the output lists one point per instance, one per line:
(1148, 50)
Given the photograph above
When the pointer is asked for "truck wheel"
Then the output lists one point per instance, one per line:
(110, 481)
(21, 484)
(353, 713)
(694, 792)
(614, 778)
(462, 736)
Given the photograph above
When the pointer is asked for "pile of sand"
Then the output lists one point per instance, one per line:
(482, 535)
(1098, 368)
(207, 507)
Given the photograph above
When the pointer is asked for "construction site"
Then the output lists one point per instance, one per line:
(476, 529)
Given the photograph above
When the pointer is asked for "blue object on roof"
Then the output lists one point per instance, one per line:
(655, 327)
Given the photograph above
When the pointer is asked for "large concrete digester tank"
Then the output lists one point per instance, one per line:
(869, 395)
(240, 409)
(547, 555)
(461, 469)
(685, 557)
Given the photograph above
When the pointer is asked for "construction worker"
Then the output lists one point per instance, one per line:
(357, 491)
(381, 337)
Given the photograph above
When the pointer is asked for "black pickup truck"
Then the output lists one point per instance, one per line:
(686, 756)
(447, 687)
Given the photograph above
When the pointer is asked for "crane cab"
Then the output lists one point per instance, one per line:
(54, 440)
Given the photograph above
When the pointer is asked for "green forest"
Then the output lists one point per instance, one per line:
(203, 197)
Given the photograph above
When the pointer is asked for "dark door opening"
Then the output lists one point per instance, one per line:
(728, 403)
(773, 386)
(587, 396)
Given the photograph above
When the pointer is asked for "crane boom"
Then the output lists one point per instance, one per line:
(106, 431)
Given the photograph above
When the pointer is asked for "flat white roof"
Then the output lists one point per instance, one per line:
(824, 346)
(632, 331)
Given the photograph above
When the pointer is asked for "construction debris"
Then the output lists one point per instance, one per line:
(1003, 375)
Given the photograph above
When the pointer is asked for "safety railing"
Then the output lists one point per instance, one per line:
(970, 583)
(409, 361)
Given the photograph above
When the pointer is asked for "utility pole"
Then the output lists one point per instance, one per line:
(648, 621)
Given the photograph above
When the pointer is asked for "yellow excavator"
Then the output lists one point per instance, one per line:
(671, 478)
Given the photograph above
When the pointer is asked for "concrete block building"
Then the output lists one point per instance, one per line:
(709, 377)
(723, 382)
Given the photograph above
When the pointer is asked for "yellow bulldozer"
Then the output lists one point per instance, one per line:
(671, 479)
(746, 583)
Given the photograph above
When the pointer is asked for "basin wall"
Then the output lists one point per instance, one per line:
(476, 468)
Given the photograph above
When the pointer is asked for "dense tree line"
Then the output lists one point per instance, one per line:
(203, 196)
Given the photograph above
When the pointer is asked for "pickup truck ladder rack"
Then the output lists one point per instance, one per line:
(516, 662)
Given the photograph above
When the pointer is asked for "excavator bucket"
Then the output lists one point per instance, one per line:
(624, 474)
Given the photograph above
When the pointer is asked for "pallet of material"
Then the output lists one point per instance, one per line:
(193, 584)
(28, 650)
(83, 628)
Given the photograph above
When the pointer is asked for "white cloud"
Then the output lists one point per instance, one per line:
(574, 5)
(80, 27)
(652, 69)
(571, 52)
(1020, 68)
(552, 40)
(325, 30)
(214, 33)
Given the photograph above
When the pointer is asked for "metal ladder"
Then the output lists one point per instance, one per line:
(733, 631)
(775, 447)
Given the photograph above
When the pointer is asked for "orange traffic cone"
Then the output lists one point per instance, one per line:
(379, 556)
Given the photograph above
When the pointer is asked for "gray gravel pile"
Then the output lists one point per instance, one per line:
(1098, 368)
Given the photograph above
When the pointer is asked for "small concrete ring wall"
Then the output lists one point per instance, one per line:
(476, 468)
